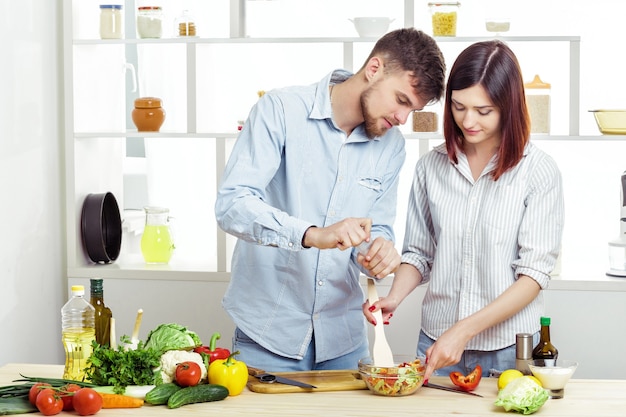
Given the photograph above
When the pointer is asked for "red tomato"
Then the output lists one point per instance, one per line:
(188, 374)
(34, 391)
(48, 402)
(67, 396)
(469, 382)
(87, 401)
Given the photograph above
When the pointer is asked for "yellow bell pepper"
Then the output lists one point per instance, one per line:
(229, 373)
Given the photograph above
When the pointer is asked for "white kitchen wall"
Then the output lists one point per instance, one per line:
(33, 284)
(32, 254)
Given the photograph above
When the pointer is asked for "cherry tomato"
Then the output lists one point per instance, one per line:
(34, 391)
(67, 396)
(467, 382)
(48, 402)
(188, 374)
(87, 401)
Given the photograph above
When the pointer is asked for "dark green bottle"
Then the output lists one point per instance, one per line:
(103, 313)
(545, 350)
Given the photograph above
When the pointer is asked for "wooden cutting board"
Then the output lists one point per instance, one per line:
(334, 380)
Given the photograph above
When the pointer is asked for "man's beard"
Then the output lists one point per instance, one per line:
(372, 128)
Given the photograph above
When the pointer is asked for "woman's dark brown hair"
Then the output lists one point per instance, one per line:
(494, 66)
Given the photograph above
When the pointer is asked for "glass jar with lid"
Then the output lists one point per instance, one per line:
(185, 25)
(111, 21)
(149, 22)
(444, 17)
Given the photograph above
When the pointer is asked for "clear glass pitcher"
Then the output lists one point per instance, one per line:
(157, 244)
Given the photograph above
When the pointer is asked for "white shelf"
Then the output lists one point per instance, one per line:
(251, 40)
(592, 138)
(136, 134)
(409, 136)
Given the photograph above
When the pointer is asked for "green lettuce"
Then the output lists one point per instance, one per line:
(172, 336)
(522, 395)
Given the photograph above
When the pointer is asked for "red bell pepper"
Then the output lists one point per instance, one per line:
(212, 351)
(469, 382)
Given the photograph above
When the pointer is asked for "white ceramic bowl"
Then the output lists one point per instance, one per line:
(371, 27)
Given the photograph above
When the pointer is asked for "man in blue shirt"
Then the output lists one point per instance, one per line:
(313, 174)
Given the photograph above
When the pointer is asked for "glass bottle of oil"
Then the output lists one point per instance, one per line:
(545, 350)
(103, 313)
(77, 317)
(157, 245)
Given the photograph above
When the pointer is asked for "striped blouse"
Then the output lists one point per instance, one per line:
(470, 240)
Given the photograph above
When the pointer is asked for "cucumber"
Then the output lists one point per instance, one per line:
(197, 394)
(161, 393)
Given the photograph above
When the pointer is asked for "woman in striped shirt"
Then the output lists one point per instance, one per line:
(484, 222)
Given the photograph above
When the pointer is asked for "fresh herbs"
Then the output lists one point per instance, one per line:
(121, 367)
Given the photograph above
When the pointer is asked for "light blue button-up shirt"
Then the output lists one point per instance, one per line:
(292, 167)
(472, 239)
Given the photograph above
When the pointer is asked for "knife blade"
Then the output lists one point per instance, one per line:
(442, 387)
(271, 378)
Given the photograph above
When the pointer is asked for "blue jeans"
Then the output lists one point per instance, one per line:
(257, 356)
(492, 362)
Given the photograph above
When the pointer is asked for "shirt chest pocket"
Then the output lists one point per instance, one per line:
(364, 192)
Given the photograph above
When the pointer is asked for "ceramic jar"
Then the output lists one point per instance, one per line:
(148, 115)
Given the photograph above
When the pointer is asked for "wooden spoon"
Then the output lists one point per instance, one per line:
(134, 339)
(381, 352)
(112, 337)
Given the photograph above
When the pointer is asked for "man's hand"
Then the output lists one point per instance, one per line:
(342, 235)
(381, 259)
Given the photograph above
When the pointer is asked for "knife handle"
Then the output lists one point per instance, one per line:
(255, 371)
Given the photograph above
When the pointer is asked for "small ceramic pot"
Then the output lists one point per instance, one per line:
(148, 115)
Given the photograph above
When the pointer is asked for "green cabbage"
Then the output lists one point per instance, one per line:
(522, 395)
(172, 337)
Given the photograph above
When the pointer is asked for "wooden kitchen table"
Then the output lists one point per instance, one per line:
(583, 397)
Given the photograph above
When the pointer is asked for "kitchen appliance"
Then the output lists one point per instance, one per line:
(617, 247)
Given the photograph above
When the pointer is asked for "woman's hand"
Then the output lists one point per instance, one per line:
(447, 350)
(385, 304)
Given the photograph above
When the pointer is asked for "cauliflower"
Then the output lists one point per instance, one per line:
(171, 358)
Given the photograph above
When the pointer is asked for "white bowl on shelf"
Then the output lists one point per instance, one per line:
(371, 27)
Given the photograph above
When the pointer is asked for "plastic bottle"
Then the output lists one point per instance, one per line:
(545, 350)
(78, 333)
(103, 313)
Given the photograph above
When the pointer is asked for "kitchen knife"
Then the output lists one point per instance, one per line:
(270, 378)
(442, 387)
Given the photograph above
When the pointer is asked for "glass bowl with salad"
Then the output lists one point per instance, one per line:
(403, 379)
